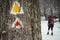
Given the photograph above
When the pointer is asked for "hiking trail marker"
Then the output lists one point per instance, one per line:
(17, 23)
(16, 9)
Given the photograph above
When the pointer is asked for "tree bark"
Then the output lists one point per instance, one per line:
(30, 19)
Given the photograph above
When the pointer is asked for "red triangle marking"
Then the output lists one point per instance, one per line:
(17, 23)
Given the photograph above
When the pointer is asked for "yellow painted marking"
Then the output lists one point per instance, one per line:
(16, 8)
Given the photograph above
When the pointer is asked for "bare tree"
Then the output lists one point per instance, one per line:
(45, 7)
(57, 2)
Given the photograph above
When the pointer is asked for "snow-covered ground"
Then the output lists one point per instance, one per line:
(56, 31)
(42, 18)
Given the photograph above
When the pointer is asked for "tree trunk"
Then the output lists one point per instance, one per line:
(58, 6)
(45, 13)
(51, 11)
(59, 14)
(30, 19)
(3, 27)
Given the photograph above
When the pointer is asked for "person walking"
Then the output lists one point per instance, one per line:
(50, 24)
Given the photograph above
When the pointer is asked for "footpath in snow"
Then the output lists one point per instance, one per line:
(56, 31)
